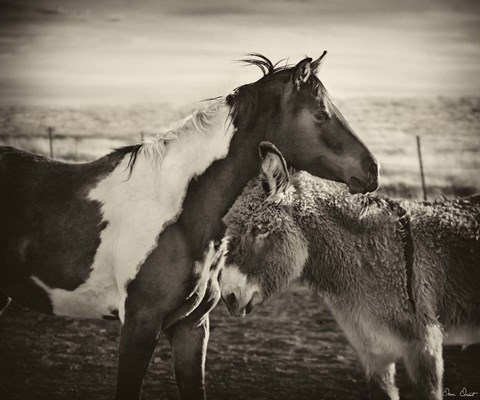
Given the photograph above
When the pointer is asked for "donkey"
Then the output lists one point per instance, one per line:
(125, 235)
(400, 277)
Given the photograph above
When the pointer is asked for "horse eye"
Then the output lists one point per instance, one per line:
(321, 116)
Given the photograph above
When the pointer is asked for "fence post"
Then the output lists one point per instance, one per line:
(50, 139)
(142, 136)
(75, 141)
(422, 175)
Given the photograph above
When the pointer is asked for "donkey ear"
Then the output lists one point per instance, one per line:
(316, 63)
(274, 170)
(301, 72)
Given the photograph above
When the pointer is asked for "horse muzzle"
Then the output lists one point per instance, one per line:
(366, 184)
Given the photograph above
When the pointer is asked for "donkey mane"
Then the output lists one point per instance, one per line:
(367, 212)
(357, 212)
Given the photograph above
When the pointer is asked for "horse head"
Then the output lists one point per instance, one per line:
(298, 116)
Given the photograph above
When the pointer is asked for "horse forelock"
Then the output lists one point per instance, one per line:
(245, 100)
(266, 66)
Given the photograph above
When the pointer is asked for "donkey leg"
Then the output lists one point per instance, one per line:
(4, 302)
(381, 378)
(379, 367)
(189, 341)
(424, 364)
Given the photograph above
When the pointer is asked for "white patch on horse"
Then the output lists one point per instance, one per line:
(138, 209)
(95, 298)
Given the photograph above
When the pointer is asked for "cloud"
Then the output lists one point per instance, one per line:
(55, 51)
(114, 18)
(48, 10)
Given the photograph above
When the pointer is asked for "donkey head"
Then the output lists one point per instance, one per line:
(305, 125)
(266, 248)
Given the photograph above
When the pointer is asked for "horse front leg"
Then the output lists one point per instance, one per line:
(138, 339)
(169, 294)
(189, 341)
(189, 337)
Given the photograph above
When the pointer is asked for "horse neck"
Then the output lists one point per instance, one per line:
(343, 231)
(149, 183)
(211, 195)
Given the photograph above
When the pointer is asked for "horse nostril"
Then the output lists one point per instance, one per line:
(231, 300)
(373, 177)
(373, 171)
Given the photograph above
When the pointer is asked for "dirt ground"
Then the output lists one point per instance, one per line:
(291, 349)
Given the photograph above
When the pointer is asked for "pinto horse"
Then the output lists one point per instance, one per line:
(125, 235)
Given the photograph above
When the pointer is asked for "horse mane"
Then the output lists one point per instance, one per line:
(133, 150)
(243, 101)
(198, 121)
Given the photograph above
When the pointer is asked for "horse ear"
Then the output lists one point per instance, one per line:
(316, 63)
(301, 72)
(274, 170)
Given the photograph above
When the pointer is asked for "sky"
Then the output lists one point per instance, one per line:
(178, 51)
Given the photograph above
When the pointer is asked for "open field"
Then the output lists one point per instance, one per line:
(449, 129)
(291, 349)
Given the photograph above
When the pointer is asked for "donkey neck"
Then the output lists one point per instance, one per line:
(345, 233)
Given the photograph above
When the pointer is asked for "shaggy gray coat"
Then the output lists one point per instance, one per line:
(400, 277)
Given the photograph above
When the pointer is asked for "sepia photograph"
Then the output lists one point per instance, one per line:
(239, 200)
